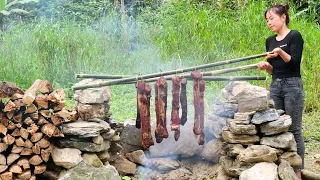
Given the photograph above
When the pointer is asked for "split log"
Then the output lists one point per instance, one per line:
(16, 149)
(3, 147)
(57, 133)
(161, 90)
(33, 177)
(50, 175)
(26, 152)
(16, 133)
(3, 129)
(24, 133)
(36, 137)
(19, 103)
(8, 139)
(40, 169)
(28, 121)
(24, 163)
(35, 160)
(34, 116)
(3, 160)
(28, 144)
(56, 120)
(45, 153)
(183, 101)
(7, 176)
(25, 175)
(12, 158)
(144, 93)
(175, 119)
(57, 96)
(33, 128)
(31, 108)
(42, 121)
(45, 113)
(7, 89)
(60, 106)
(16, 96)
(30, 94)
(11, 126)
(10, 114)
(36, 149)
(44, 142)
(45, 87)
(10, 106)
(18, 118)
(4, 120)
(3, 168)
(15, 168)
(48, 129)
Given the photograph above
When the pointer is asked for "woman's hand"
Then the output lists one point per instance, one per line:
(263, 65)
(274, 53)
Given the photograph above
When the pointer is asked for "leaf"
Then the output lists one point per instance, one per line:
(5, 13)
(19, 11)
(2, 4)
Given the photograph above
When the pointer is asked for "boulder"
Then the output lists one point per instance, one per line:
(92, 95)
(276, 127)
(124, 166)
(164, 164)
(84, 171)
(83, 145)
(92, 159)
(229, 137)
(130, 137)
(261, 171)
(265, 116)
(241, 129)
(233, 167)
(138, 157)
(292, 157)
(212, 150)
(85, 128)
(286, 172)
(66, 157)
(223, 109)
(90, 111)
(233, 150)
(258, 153)
(243, 118)
(283, 141)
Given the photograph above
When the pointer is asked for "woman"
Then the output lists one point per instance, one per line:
(284, 65)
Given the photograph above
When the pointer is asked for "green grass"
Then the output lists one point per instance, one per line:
(178, 34)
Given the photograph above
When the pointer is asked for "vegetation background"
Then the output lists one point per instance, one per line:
(56, 39)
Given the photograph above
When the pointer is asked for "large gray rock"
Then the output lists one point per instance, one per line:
(92, 95)
(92, 159)
(258, 153)
(186, 146)
(84, 171)
(233, 150)
(83, 146)
(249, 97)
(278, 126)
(229, 137)
(66, 157)
(292, 157)
(164, 164)
(286, 172)
(223, 109)
(124, 166)
(130, 137)
(90, 111)
(85, 128)
(243, 118)
(138, 157)
(233, 167)
(265, 116)
(212, 150)
(261, 171)
(283, 141)
(214, 125)
(241, 129)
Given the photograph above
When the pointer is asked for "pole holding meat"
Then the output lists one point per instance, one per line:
(142, 77)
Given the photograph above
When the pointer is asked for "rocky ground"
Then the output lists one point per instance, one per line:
(312, 156)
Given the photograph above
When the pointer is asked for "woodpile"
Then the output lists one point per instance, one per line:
(28, 121)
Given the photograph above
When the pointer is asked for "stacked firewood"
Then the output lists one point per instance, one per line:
(28, 121)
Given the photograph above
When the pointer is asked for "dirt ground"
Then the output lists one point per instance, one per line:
(312, 156)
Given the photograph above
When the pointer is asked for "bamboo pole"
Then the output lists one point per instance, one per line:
(136, 78)
(101, 76)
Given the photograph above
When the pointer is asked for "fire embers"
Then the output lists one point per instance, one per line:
(143, 102)
(198, 98)
(161, 91)
(175, 119)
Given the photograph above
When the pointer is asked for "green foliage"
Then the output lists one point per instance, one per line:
(311, 127)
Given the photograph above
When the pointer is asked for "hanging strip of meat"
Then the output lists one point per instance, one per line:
(183, 101)
(144, 94)
(138, 121)
(161, 90)
(201, 111)
(196, 100)
(175, 120)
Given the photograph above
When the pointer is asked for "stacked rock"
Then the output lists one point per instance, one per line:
(257, 138)
(94, 135)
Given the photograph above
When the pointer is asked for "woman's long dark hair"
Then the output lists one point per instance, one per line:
(280, 10)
